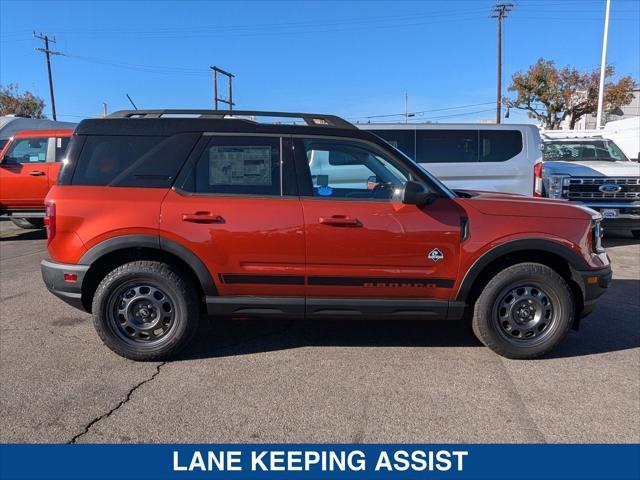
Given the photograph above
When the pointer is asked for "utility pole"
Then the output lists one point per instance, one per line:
(48, 54)
(406, 107)
(230, 78)
(603, 66)
(500, 11)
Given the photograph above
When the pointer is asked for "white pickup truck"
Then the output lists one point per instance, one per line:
(595, 172)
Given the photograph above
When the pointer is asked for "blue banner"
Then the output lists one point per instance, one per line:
(309, 461)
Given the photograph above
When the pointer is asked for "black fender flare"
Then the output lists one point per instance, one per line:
(574, 260)
(157, 243)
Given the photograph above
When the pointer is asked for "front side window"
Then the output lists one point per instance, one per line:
(348, 169)
(446, 146)
(27, 150)
(239, 165)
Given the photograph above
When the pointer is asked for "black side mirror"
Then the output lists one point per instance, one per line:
(415, 193)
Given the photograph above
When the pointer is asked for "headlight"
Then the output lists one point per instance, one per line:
(554, 185)
(596, 235)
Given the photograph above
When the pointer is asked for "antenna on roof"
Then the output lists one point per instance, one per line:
(131, 101)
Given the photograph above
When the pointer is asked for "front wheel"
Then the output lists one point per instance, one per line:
(524, 311)
(145, 311)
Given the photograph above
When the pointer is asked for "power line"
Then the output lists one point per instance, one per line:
(422, 112)
(48, 54)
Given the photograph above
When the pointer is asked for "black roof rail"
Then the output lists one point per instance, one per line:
(311, 119)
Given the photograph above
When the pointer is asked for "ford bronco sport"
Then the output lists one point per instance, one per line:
(157, 218)
(29, 165)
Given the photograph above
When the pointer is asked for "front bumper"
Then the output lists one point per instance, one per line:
(593, 284)
(53, 274)
(627, 214)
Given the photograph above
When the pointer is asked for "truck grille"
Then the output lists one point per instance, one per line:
(589, 188)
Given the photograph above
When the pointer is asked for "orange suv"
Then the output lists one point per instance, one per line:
(161, 216)
(29, 165)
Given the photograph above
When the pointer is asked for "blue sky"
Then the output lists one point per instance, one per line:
(352, 58)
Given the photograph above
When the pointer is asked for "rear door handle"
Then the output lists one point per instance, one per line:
(340, 221)
(36, 173)
(202, 217)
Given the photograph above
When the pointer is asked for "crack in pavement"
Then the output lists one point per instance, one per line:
(88, 426)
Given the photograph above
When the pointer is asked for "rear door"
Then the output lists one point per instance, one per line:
(361, 240)
(236, 207)
(24, 173)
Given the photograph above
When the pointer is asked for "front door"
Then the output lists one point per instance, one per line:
(237, 209)
(24, 173)
(361, 240)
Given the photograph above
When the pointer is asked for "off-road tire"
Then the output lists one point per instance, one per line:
(173, 287)
(28, 223)
(488, 320)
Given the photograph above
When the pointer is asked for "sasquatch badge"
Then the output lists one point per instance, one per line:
(435, 255)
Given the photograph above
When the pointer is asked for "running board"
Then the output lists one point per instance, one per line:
(323, 307)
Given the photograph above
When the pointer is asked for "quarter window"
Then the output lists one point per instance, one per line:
(346, 169)
(27, 150)
(239, 165)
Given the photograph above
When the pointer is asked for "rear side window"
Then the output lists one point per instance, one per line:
(27, 150)
(239, 165)
(499, 145)
(403, 140)
(446, 146)
(132, 161)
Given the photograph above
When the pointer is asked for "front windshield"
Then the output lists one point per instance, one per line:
(583, 150)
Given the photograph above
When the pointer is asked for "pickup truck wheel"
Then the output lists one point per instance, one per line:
(28, 223)
(524, 311)
(145, 311)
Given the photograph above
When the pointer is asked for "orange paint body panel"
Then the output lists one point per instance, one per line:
(23, 186)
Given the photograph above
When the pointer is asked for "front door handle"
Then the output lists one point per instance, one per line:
(202, 217)
(340, 221)
(36, 173)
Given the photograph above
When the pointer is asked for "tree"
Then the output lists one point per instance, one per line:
(552, 95)
(14, 103)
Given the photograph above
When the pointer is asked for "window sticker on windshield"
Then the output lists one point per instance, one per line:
(230, 165)
(58, 143)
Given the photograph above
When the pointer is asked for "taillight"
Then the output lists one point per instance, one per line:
(50, 220)
(537, 179)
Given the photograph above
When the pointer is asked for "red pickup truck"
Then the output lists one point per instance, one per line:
(29, 165)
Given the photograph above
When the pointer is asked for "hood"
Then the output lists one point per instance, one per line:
(493, 203)
(596, 168)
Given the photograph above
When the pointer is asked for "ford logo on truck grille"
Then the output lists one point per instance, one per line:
(609, 188)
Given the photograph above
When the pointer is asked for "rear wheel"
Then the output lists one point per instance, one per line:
(524, 311)
(28, 223)
(145, 311)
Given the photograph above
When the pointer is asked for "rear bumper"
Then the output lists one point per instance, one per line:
(53, 275)
(26, 213)
(593, 284)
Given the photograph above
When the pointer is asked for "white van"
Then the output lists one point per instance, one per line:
(473, 156)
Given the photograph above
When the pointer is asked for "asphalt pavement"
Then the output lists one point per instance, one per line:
(330, 381)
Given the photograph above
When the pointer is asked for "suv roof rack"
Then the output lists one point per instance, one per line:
(310, 119)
